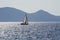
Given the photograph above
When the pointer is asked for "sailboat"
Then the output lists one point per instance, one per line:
(25, 22)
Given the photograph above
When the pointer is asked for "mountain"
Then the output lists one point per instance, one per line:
(42, 15)
(12, 14)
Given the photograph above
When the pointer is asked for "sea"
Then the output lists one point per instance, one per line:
(32, 31)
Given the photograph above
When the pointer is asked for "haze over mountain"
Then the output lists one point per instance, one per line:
(8, 14)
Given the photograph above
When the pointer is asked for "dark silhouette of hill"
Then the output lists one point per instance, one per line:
(42, 15)
(13, 14)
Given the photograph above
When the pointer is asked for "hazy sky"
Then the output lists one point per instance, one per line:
(52, 6)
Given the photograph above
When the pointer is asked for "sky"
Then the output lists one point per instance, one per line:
(31, 6)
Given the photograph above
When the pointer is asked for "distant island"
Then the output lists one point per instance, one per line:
(8, 14)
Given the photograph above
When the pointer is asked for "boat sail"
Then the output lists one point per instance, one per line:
(25, 22)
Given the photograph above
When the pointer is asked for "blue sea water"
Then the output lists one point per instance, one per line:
(33, 31)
